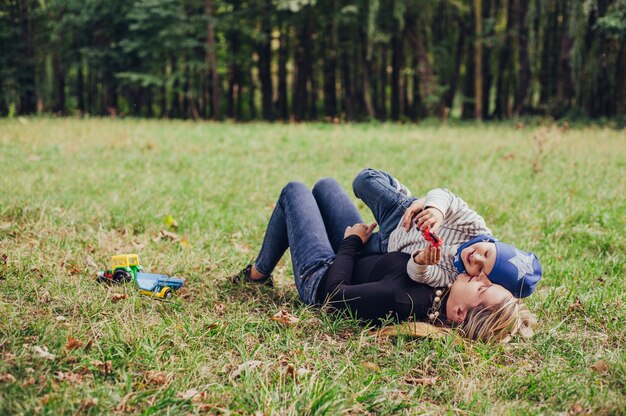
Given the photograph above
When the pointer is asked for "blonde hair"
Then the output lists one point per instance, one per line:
(500, 323)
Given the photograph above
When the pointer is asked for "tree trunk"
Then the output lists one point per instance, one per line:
(26, 75)
(478, 61)
(524, 65)
(212, 61)
(469, 81)
(504, 65)
(252, 95)
(620, 69)
(283, 55)
(366, 71)
(458, 60)
(301, 96)
(396, 67)
(383, 85)
(348, 107)
(80, 85)
(330, 69)
(265, 62)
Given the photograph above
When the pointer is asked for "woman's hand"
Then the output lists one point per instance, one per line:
(430, 217)
(364, 231)
(411, 211)
(430, 255)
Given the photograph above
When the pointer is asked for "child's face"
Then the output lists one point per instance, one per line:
(479, 258)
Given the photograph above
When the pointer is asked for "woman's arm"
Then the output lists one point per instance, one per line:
(372, 300)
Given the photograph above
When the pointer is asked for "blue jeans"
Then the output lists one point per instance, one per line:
(377, 189)
(311, 225)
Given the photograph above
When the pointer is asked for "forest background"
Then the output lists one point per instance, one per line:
(314, 59)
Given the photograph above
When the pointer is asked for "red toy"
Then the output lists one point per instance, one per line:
(431, 237)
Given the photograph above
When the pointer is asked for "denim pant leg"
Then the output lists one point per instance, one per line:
(378, 190)
(297, 223)
(336, 208)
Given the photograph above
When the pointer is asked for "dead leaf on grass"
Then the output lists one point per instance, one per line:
(170, 222)
(576, 305)
(370, 366)
(156, 377)
(285, 317)
(415, 329)
(72, 343)
(71, 378)
(104, 367)
(29, 382)
(87, 403)
(194, 395)
(219, 308)
(44, 353)
(424, 381)
(600, 367)
(247, 366)
(44, 297)
(576, 409)
(7, 378)
(116, 297)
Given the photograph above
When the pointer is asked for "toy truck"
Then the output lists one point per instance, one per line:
(124, 268)
(158, 285)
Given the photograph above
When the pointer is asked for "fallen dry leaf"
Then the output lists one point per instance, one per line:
(104, 367)
(7, 378)
(576, 305)
(285, 317)
(71, 378)
(424, 381)
(415, 329)
(73, 343)
(370, 366)
(247, 366)
(156, 377)
(29, 382)
(43, 352)
(576, 409)
(116, 297)
(90, 402)
(600, 367)
(170, 222)
(508, 156)
(193, 394)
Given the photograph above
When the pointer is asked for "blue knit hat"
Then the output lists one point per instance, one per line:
(515, 270)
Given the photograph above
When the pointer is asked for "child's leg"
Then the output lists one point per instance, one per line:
(297, 223)
(378, 190)
(336, 208)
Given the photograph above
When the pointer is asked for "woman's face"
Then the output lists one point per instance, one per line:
(479, 258)
(468, 292)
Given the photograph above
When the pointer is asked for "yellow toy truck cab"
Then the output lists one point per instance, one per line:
(123, 268)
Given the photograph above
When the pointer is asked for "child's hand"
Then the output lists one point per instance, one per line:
(364, 231)
(411, 212)
(430, 217)
(430, 255)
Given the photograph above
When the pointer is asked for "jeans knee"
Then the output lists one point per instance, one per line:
(361, 180)
(293, 188)
(322, 186)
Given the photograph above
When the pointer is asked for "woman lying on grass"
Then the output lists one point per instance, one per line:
(326, 236)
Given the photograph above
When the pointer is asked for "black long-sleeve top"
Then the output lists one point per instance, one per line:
(374, 286)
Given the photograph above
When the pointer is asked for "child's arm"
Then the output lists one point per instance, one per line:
(422, 267)
(456, 213)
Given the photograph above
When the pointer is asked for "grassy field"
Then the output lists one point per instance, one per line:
(72, 193)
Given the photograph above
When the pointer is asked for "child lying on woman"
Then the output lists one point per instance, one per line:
(468, 246)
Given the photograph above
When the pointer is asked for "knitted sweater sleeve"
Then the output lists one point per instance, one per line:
(431, 275)
(458, 216)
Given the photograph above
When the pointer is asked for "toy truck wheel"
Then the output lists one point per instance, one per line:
(169, 293)
(121, 275)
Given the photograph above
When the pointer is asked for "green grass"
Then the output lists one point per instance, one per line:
(73, 193)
